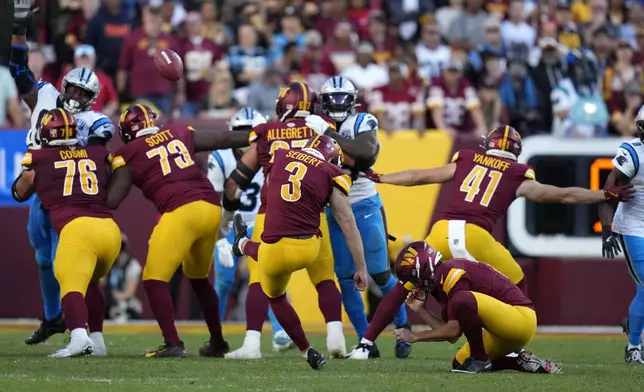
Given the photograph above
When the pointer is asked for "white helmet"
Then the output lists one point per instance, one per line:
(87, 88)
(245, 119)
(338, 97)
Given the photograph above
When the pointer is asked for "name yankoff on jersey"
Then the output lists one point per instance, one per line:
(491, 162)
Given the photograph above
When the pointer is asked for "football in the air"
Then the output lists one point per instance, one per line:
(168, 64)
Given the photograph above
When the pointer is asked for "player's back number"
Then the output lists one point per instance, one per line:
(472, 184)
(175, 149)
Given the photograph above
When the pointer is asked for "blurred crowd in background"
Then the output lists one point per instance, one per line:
(569, 68)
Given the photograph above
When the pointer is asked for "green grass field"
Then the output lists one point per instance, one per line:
(589, 364)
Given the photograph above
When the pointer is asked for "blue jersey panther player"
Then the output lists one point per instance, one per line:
(357, 138)
(628, 232)
(221, 164)
(79, 91)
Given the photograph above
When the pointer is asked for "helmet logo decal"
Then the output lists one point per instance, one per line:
(283, 92)
(411, 258)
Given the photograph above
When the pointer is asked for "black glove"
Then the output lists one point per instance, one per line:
(610, 244)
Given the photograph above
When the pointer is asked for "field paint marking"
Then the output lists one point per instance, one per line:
(148, 381)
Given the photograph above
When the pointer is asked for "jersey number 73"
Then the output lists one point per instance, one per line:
(175, 147)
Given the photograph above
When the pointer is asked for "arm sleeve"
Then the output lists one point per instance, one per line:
(436, 97)
(117, 162)
(366, 122)
(102, 127)
(627, 161)
(342, 182)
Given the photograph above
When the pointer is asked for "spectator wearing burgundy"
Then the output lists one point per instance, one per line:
(431, 54)
(384, 45)
(107, 101)
(199, 57)
(515, 29)
(624, 111)
(359, 12)
(212, 26)
(334, 12)
(395, 105)
(454, 104)
(340, 49)
(638, 57)
(620, 74)
(291, 31)
(468, 28)
(248, 60)
(137, 63)
(315, 67)
(106, 32)
(365, 73)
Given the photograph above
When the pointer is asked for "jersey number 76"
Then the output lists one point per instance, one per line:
(88, 180)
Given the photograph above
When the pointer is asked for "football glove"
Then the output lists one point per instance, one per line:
(22, 14)
(619, 192)
(226, 218)
(225, 253)
(33, 139)
(370, 175)
(610, 244)
(317, 124)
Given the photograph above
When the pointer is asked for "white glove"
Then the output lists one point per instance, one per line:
(225, 253)
(33, 139)
(21, 10)
(226, 218)
(317, 124)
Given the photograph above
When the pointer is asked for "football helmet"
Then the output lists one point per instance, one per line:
(324, 147)
(639, 123)
(137, 120)
(79, 90)
(245, 119)
(504, 142)
(416, 263)
(58, 128)
(338, 98)
(296, 99)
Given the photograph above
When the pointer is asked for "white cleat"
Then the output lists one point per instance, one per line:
(80, 345)
(359, 352)
(282, 342)
(99, 344)
(335, 342)
(245, 352)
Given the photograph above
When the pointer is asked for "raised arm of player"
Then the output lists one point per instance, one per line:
(208, 141)
(243, 174)
(435, 175)
(344, 216)
(23, 186)
(18, 65)
(542, 193)
(119, 186)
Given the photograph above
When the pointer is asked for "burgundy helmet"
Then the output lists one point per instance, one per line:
(504, 139)
(58, 128)
(296, 99)
(327, 147)
(416, 263)
(134, 119)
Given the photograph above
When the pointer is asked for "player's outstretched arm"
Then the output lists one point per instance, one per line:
(240, 178)
(363, 150)
(23, 186)
(119, 186)
(435, 175)
(18, 63)
(344, 216)
(208, 141)
(542, 193)
(447, 332)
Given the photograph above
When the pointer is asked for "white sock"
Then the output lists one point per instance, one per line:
(97, 337)
(79, 333)
(252, 339)
(305, 353)
(638, 347)
(366, 341)
(241, 245)
(334, 327)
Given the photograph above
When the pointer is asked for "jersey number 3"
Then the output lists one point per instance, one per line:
(175, 147)
(88, 180)
(293, 190)
(472, 184)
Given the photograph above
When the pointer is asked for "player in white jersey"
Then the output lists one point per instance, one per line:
(357, 135)
(79, 91)
(221, 163)
(628, 232)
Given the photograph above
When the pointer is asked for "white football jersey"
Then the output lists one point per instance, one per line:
(220, 164)
(351, 127)
(629, 217)
(88, 124)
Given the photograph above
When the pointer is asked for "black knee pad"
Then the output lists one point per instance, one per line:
(381, 278)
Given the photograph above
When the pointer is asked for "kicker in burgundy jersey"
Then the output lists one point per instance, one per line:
(291, 134)
(163, 166)
(299, 186)
(456, 103)
(483, 187)
(452, 276)
(71, 183)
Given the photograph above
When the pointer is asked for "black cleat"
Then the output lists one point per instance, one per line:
(472, 365)
(403, 349)
(315, 359)
(46, 329)
(530, 363)
(374, 352)
(208, 350)
(168, 350)
(633, 355)
(241, 232)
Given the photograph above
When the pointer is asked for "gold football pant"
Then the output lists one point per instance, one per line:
(507, 328)
(458, 239)
(185, 236)
(87, 248)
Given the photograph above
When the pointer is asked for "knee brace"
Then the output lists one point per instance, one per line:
(381, 278)
(25, 80)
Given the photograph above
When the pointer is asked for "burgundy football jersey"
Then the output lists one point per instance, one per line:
(163, 166)
(483, 187)
(299, 186)
(452, 276)
(456, 103)
(199, 55)
(398, 104)
(71, 182)
(291, 134)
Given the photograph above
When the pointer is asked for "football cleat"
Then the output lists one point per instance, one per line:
(281, 341)
(99, 344)
(208, 350)
(168, 350)
(245, 352)
(472, 365)
(530, 363)
(403, 349)
(241, 232)
(634, 355)
(77, 347)
(364, 351)
(315, 359)
(46, 329)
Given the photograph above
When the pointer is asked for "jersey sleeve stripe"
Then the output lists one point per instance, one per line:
(409, 286)
(98, 123)
(117, 162)
(356, 125)
(453, 276)
(634, 156)
(332, 125)
(343, 182)
(220, 162)
(529, 174)
(41, 84)
(252, 136)
(455, 157)
(26, 160)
